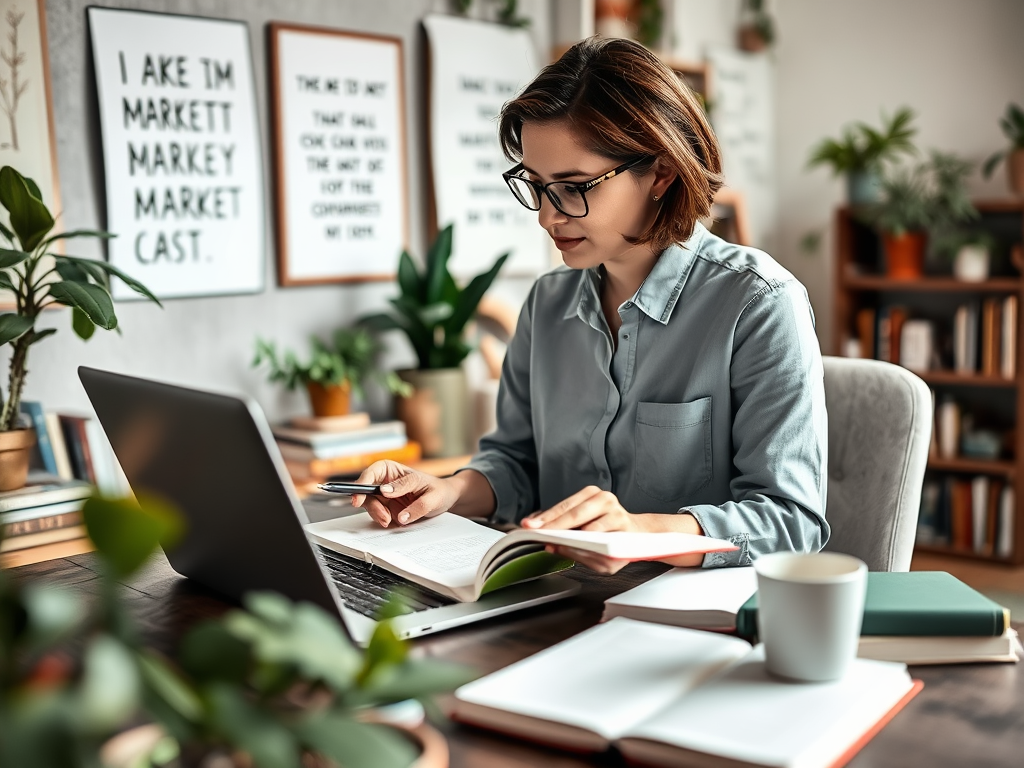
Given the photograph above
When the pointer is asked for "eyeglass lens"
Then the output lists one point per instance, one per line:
(566, 197)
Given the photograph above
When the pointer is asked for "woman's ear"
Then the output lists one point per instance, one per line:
(664, 176)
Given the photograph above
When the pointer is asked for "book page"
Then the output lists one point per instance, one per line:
(606, 679)
(445, 549)
(745, 714)
(706, 596)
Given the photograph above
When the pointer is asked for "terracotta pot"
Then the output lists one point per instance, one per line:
(437, 415)
(904, 255)
(332, 400)
(749, 39)
(15, 452)
(1015, 171)
(127, 749)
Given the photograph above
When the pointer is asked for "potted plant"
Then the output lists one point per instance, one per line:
(1012, 124)
(432, 311)
(861, 153)
(334, 372)
(757, 28)
(928, 198)
(276, 684)
(40, 278)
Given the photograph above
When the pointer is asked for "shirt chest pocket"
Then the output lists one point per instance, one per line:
(673, 448)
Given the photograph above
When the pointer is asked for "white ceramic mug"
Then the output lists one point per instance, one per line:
(810, 609)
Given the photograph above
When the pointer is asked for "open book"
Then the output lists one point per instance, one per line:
(463, 560)
(674, 696)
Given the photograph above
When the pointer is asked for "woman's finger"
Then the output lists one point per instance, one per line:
(378, 512)
(568, 513)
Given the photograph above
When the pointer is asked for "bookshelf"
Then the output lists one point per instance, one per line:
(865, 298)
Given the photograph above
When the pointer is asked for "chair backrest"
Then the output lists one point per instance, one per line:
(879, 430)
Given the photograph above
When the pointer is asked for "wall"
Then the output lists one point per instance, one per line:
(209, 342)
(957, 63)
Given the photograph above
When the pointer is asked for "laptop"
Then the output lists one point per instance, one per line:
(213, 455)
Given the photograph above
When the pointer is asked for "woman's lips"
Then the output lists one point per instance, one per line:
(567, 243)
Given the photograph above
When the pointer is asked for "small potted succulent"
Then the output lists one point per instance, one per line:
(276, 684)
(40, 278)
(334, 370)
(862, 153)
(1012, 124)
(433, 311)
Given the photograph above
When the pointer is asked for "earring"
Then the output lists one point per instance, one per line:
(656, 198)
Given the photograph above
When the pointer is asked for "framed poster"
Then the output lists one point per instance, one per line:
(181, 151)
(339, 154)
(475, 67)
(27, 140)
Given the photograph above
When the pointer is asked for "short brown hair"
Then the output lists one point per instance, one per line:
(624, 103)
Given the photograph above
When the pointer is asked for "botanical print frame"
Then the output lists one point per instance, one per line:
(338, 112)
(182, 153)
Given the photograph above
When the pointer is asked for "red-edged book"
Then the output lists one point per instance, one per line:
(669, 696)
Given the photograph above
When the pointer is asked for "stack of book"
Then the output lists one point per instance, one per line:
(969, 513)
(45, 511)
(314, 449)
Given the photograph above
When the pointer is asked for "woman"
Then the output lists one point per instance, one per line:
(663, 380)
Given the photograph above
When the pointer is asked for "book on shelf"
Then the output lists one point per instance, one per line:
(699, 598)
(43, 456)
(40, 538)
(991, 330)
(48, 518)
(344, 423)
(917, 345)
(1004, 528)
(898, 317)
(59, 446)
(92, 457)
(922, 617)
(463, 560)
(866, 332)
(1008, 339)
(372, 444)
(347, 465)
(42, 490)
(73, 428)
(319, 439)
(671, 696)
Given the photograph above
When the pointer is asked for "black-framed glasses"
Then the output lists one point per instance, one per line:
(568, 197)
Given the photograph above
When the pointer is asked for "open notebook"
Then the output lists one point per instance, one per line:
(669, 696)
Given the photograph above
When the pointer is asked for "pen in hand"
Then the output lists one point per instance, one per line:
(350, 488)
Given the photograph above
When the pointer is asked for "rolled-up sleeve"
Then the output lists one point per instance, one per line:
(779, 433)
(508, 456)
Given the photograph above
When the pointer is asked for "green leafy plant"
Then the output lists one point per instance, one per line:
(1012, 124)
(649, 17)
(755, 15)
(432, 309)
(271, 684)
(351, 357)
(39, 278)
(862, 148)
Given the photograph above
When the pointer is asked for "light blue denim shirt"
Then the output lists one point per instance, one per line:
(712, 402)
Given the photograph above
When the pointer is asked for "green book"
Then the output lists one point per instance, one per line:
(918, 603)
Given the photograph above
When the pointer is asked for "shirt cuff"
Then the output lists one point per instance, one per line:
(714, 527)
(503, 486)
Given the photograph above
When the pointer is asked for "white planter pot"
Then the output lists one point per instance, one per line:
(971, 263)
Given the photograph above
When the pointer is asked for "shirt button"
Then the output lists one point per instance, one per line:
(625, 335)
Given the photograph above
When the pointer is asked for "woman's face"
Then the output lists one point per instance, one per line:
(620, 206)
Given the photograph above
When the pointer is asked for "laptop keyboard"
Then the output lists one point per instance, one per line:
(367, 588)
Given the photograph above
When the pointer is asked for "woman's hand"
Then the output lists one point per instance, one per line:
(593, 509)
(406, 495)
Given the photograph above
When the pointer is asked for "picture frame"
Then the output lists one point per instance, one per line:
(338, 117)
(182, 152)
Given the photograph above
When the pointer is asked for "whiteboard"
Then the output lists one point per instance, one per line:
(743, 119)
(339, 153)
(181, 152)
(475, 67)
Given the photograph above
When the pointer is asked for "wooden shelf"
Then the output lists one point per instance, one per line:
(973, 466)
(950, 550)
(965, 379)
(930, 284)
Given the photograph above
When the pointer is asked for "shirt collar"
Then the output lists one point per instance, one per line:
(658, 294)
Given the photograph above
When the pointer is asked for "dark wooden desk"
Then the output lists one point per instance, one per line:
(967, 715)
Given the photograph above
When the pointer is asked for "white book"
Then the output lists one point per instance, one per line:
(1007, 510)
(60, 447)
(322, 439)
(688, 597)
(675, 696)
(919, 649)
(979, 511)
(461, 559)
(1008, 356)
(917, 342)
(960, 339)
(372, 444)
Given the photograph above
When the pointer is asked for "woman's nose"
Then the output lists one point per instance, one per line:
(548, 216)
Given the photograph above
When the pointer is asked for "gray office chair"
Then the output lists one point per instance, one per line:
(879, 429)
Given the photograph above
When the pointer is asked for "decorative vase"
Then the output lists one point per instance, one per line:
(437, 415)
(863, 187)
(611, 18)
(971, 263)
(904, 255)
(331, 400)
(15, 451)
(1015, 171)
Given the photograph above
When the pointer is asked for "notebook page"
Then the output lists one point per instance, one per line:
(607, 678)
(446, 549)
(747, 715)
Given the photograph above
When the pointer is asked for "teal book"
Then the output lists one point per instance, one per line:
(914, 604)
